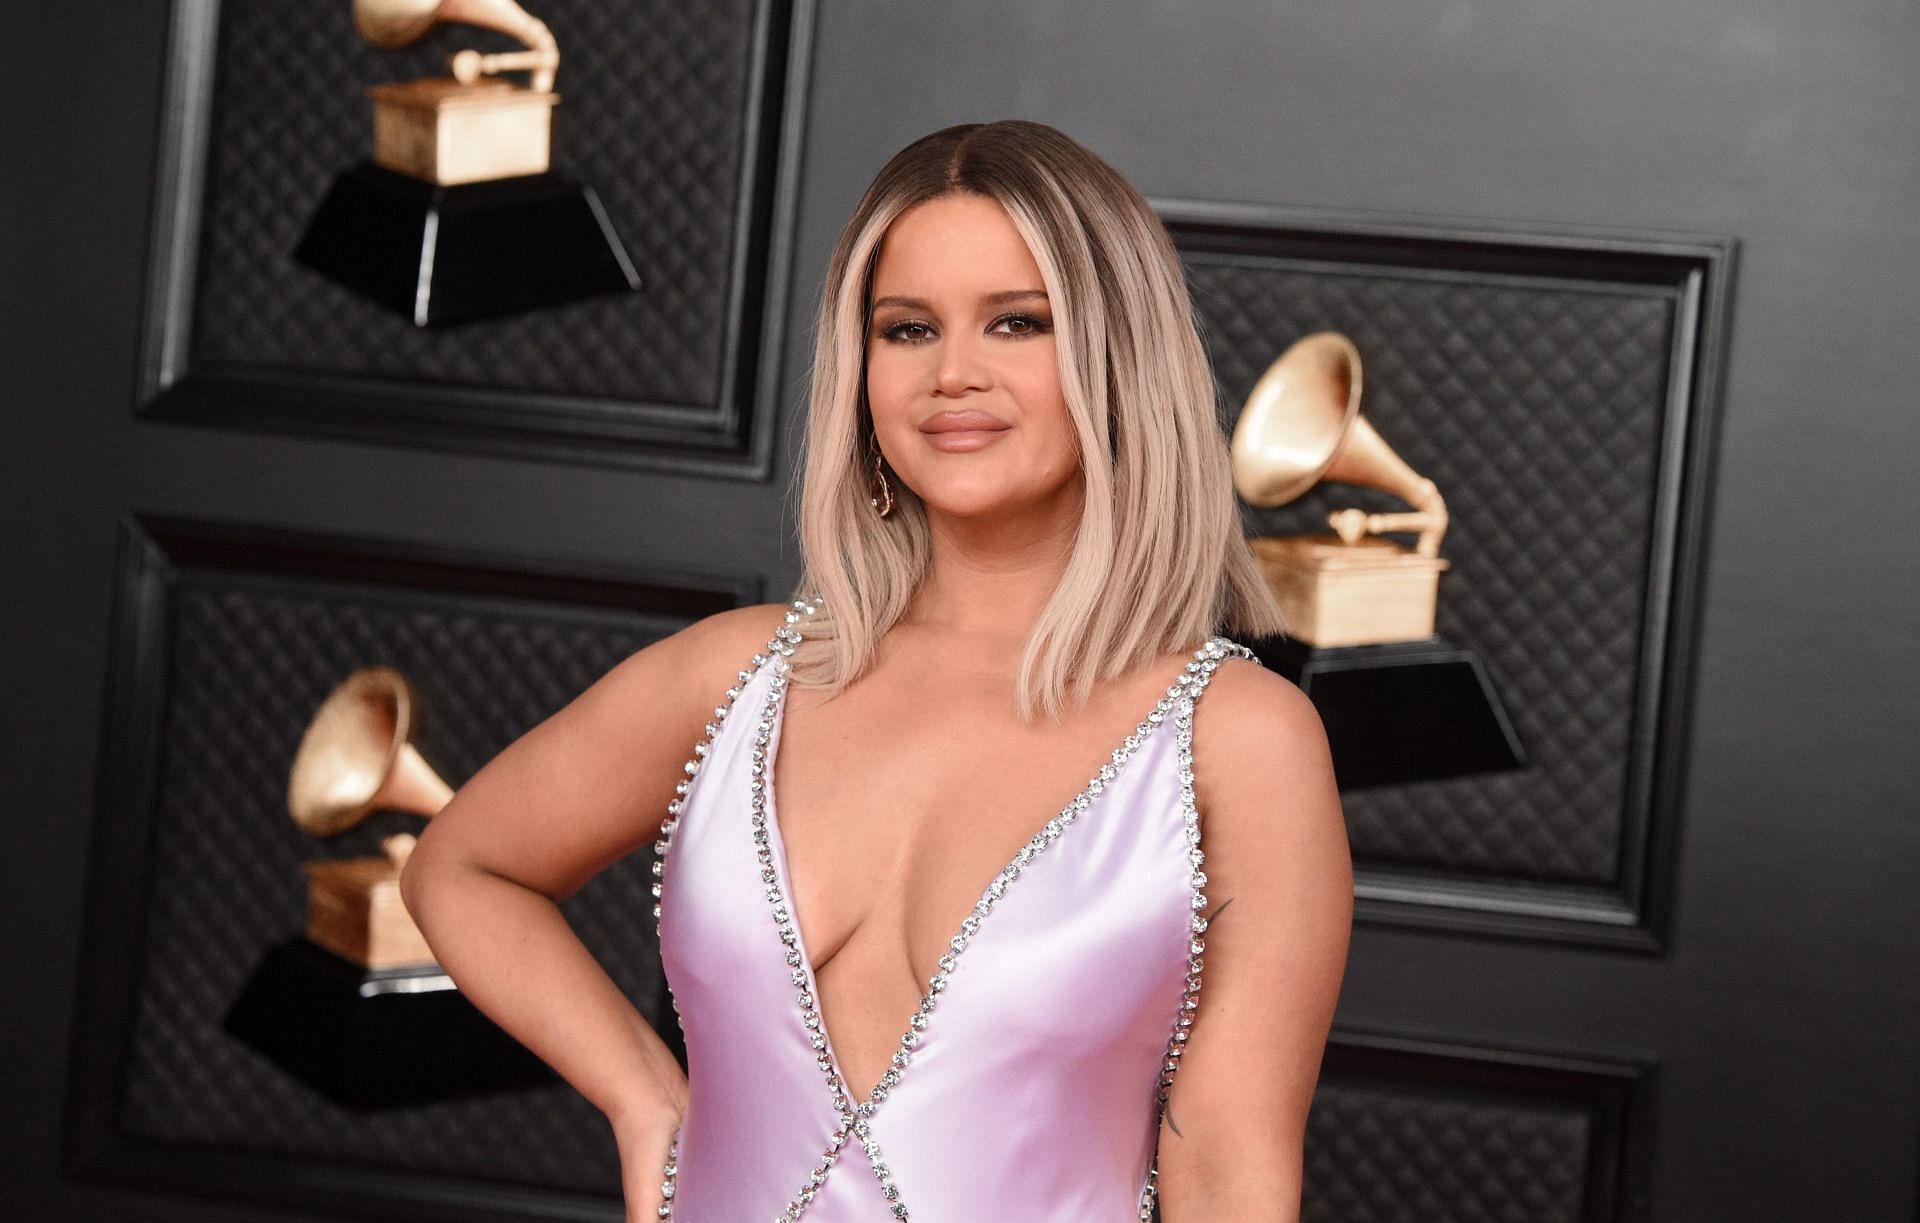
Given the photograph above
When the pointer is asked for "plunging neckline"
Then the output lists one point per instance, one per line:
(1079, 806)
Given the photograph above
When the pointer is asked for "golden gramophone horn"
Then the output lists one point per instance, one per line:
(1296, 418)
(1302, 425)
(395, 23)
(357, 756)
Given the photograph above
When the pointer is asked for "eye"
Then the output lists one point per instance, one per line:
(908, 331)
(1020, 325)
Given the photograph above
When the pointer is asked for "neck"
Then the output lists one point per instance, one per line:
(990, 577)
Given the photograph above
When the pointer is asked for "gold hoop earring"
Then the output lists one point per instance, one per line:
(879, 492)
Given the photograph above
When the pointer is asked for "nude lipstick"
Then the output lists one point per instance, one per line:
(960, 431)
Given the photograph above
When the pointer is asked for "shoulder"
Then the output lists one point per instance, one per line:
(683, 674)
(1249, 712)
(1262, 767)
(604, 767)
(725, 641)
(711, 652)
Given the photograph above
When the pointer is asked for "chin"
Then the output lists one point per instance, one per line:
(969, 507)
(984, 498)
(983, 505)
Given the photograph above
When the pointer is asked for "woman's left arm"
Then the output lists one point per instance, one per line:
(1280, 893)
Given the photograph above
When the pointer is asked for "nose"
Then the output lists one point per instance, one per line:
(961, 367)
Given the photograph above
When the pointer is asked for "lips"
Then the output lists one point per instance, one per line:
(963, 431)
(970, 421)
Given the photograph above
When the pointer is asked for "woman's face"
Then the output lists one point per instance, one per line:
(962, 374)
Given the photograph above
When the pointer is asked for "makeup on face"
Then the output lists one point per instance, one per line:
(908, 323)
(963, 429)
(962, 370)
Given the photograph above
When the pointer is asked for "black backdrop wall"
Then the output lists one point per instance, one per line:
(1670, 973)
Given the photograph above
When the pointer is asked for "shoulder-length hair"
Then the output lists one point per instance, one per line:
(1159, 562)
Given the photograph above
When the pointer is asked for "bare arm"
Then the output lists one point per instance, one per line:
(1280, 892)
(571, 796)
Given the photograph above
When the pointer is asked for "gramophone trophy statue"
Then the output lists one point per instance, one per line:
(458, 215)
(358, 1008)
(1399, 702)
(358, 756)
(472, 127)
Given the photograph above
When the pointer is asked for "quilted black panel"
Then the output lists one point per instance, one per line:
(1538, 407)
(1392, 1153)
(653, 105)
(250, 658)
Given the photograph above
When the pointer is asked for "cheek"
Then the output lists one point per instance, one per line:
(890, 383)
(1035, 385)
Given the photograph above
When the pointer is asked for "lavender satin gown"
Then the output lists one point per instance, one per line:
(1030, 1083)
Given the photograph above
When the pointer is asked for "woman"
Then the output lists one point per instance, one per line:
(909, 988)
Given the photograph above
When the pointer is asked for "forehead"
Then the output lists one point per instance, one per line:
(954, 246)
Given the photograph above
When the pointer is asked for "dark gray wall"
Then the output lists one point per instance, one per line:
(1786, 1013)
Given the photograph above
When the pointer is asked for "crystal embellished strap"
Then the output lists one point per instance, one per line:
(798, 974)
(778, 645)
(852, 1120)
(1201, 670)
(692, 767)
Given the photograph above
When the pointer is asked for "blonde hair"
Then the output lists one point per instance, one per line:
(1159, 562)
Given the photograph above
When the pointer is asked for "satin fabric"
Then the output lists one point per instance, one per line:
(1032, 1094)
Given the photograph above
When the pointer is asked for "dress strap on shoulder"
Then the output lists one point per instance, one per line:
(778, 646)
(800, 609)
(1206, 660)
(1199, 671)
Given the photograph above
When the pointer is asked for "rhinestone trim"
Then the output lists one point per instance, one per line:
(1207, 661)
(1178, 700)
(664, 843)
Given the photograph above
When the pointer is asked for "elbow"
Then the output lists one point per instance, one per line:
(429, 884)
(416, 875)
(1267, 1203)
(1235, 1182)
(443, 870)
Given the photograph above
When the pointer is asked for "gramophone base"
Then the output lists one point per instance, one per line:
(1401, 711)
(452, 254)
(375, 1038)
(1334, 593)
(446, 132)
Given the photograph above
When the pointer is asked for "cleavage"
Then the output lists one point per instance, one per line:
(885, 854)
(887, 876)
(880, 876)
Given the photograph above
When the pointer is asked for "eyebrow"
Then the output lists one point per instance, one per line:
(991, 299)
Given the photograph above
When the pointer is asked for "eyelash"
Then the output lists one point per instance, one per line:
(1036, 325)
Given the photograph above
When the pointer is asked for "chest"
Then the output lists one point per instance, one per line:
(903, 820)
(899, 802)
